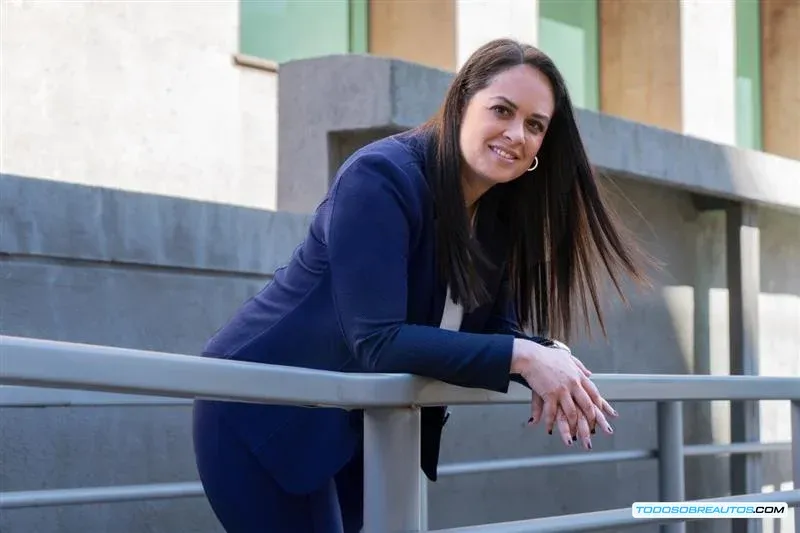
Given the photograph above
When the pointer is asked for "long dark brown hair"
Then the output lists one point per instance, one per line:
(556, 224)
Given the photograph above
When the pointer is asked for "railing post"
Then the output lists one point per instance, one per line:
(743, 258)
(670, 458)
(423, 503)
(795, 408)
(392, 472)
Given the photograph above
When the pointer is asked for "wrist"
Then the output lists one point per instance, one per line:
(522, 356)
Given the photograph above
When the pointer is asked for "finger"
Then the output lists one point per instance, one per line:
(537, 405)
(563, 428)
(597, 399)
(593, 392)
(549, 414)
(609, 410)
(603, 423)
(570, 411)
(583, 433)
(585, 404)
(581, 366)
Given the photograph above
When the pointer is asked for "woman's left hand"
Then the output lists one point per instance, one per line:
(584, 432)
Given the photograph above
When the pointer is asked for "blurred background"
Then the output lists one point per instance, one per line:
(160, 159)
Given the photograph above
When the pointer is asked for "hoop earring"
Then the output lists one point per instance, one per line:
(535, 163)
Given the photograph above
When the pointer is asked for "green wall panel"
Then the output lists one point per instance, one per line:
(359, 25)
(748, 75)
(568, 34)
(283, 30)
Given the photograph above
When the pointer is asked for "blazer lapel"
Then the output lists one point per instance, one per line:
(437, 301)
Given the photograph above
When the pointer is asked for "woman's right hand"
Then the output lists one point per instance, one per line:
(560, 382)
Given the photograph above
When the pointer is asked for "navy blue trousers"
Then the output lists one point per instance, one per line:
(246, 499)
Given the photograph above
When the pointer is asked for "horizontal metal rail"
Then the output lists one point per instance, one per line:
(736, 448)
(121, 493)
(696, 450)
(613, 518)
(91, 495)
(14, 396)
(58, 365)
(44, 363)
(499, 465)
(598, 520)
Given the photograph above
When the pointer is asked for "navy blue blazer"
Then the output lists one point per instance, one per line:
(361, 294)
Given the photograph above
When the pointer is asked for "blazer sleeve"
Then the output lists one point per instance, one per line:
(503, 320)
(375, 215)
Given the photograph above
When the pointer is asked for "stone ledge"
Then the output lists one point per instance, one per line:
(64, 220)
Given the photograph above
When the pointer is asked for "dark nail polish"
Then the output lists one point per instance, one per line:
(593, 432)
(550, 432)
(574, 439)
(589, 444)
(530, 420)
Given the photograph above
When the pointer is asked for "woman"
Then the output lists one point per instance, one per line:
(430, 250)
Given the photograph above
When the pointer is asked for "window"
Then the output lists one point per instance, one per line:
(748, 75)
(284, 30)
(568, 34)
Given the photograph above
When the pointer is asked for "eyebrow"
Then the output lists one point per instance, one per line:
(514, 106)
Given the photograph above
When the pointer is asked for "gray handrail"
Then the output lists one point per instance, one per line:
(393, 501)
(46, 363)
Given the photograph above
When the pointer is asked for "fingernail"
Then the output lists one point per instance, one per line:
(574, 439)
(614, 411)
(589, 444)
(609, 429)
(530, 420)
(550, 432)
(593, 431)
(569, 442)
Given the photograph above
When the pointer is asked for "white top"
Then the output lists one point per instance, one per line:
(453, 312)
(452, 315)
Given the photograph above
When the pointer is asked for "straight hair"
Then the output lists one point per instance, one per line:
(556, 223)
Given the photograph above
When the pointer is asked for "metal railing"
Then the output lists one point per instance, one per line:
(394, 488)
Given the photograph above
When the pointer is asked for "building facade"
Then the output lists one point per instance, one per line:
(181, 98)
(181, 101)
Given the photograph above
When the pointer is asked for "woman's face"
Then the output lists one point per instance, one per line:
(503, 127)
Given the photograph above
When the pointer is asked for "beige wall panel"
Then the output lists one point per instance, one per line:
(780, 63)
(422, 31)
(137, 96)
(640, 61)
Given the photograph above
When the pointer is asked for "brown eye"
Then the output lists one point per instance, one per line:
(501, 110)
(536, 127)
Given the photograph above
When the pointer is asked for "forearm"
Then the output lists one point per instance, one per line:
(464, 359)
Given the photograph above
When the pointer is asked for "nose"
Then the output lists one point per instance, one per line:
(515, 132)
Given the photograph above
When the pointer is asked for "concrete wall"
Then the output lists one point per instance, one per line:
(93, 265)
(100, 266)
(137, 97)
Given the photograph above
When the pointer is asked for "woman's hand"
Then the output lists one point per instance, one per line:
(584, 430)
(562, 382)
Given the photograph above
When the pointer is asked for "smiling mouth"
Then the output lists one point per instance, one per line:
(504, 154)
